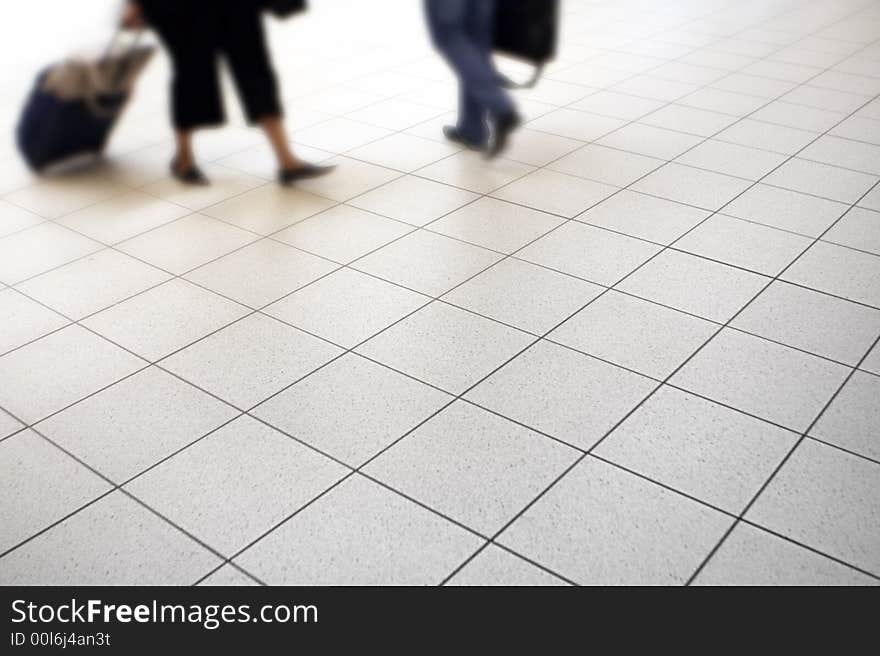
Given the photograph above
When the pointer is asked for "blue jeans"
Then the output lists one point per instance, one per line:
(462, 31)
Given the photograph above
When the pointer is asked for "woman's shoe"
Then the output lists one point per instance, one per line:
(191, 176)
(287, 177)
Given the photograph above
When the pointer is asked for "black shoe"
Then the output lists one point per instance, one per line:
(452, 133)
(192, 176)
(501, 131)
(287, 177)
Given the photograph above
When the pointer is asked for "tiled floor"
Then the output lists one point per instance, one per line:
(641, 348)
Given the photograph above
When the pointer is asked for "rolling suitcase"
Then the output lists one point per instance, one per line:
(527, 29)
(75, 104)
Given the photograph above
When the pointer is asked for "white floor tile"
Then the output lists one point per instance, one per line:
(115, 541)
(225, 489)
(25, 320)
(165, 318)
(762, 378)
(347, 307)
(352, 408)
(852, 421)
(30, 252)
(495, 566)
(250, 360)
(787, 210)
(361, 534)
(413, 200)
(638, 532)
(446, 347)
(837, 270)
(828, 500)
(59, 369)
(268, 209)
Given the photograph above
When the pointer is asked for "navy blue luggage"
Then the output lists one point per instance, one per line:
(74, 105)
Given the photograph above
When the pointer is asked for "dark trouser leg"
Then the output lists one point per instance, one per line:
(244, 44)
(196, 99)
(462, 31)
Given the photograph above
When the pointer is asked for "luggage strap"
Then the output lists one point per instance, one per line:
(507, 83)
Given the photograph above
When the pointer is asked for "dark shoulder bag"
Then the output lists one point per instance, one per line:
(284, 8)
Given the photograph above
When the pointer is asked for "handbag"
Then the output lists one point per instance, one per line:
(285, 8)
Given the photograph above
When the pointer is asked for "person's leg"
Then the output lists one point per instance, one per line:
(195, 87)
(454, 24)
(249, 60)
(479, 25)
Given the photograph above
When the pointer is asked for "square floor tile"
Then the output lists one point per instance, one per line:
(472, 466)
(852, 421)
(187, 243)
(688, 119)
(732, 159)
(496, 225)
(123, 217)
(165, 318)
(574, 124)
(771, 381)
(132, 425)
(845, 153)
(822, 180)
(53, 197)
(840, 271)
(495, 566)
(250, 360)
(828, 500)
(744, 244)
(351, 178)
(403, 152)
(651, 141)
(617, 105)
(268, 209)
(557, 193)
(872, 362)
(8, 425)
(343, 233)
(93, 283)
(523, 295)
(655, 88)
(360, 534)
(338, 135)
(36, 250)
(636, 334)
(858, 128)
(14, 219)
(260, 160)
(538, 148)
(347, 307)
(646, 217)
(608, 165)
(776, 138)
(788, 210)
(447, 347)
(798, 116)
(115, 541)
(700, 448)
(755, 85)
(352, 408)
(40, 485)
(225, 183)
(815, 322)
(394, 114)
(562, 393)
(728, 102)
(598, 255)
(695, 285)
(697, 187)
(600, 525)
(858, 229)
(750, 556)
(413, 200)
(428, 263)
(59, 369)
(472, 172)
(228, 576)
(261, 272)
(236, 484)
(24, 320)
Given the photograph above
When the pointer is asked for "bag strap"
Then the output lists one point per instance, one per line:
(507, 83)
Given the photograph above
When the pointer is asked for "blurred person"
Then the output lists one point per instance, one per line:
(462, 31)
(195, 33)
